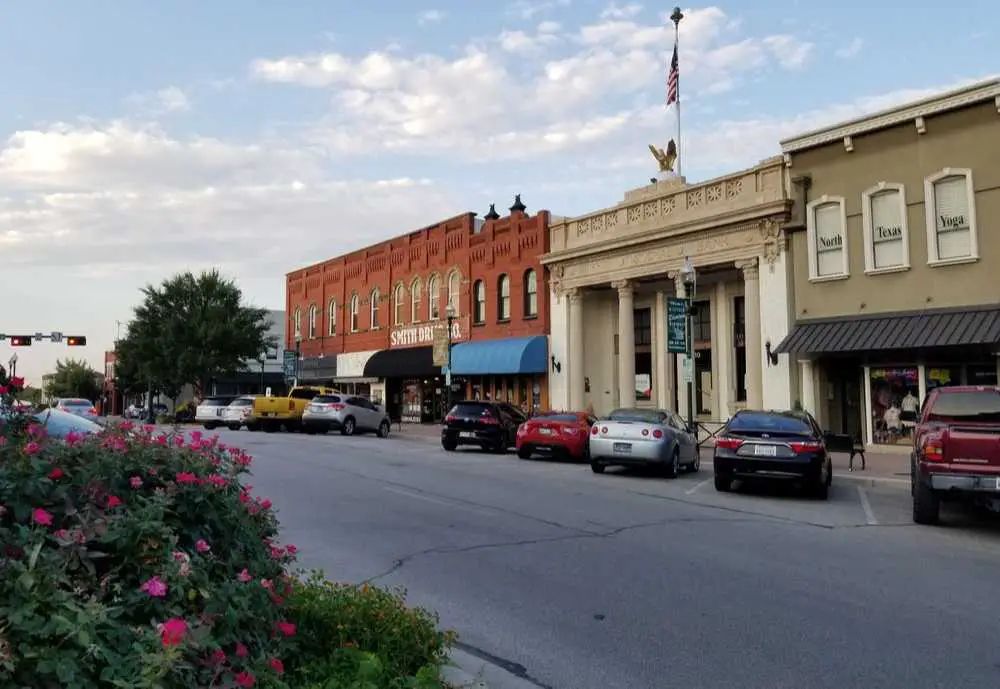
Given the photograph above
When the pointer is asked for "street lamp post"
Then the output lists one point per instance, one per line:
(450, 315)
(298, 358)
(263, 361)
(690, 279)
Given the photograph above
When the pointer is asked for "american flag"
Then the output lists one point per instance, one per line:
(672, 78)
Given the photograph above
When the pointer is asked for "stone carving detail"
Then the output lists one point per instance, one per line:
(775, 241)
(734, 188)
(611, 221)
(667, 205)
(749, 268)
(624, 287)
(583, 226)
(556, 280)
(597, 223)
(696, 198)
(715, 193)
(634, 215)
(649, 210)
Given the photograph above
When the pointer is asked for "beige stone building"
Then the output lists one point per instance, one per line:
(613, 270)
(896, 255)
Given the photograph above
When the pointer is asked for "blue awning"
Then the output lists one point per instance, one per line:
(507, 356)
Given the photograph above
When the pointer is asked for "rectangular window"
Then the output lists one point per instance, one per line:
(953, 225)
(888, 232)
(702, 322)
(829, 240)
(644, 375)
(642, 322)
(739, 342)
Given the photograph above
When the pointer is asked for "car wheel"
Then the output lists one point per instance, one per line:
(234, 427)
(822, 490)
(696, 464)
(524, 452)
(383, 429)
(675, 464)
(500, 446)
(348, 427)
(449, 443)
(723, 484)
(597, 467)
(310, 430)
(252, 427)
(209, 426)
(926, 505)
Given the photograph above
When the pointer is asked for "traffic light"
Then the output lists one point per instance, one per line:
(20, 340)
(76, 341)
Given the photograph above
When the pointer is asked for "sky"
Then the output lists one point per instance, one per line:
(141, 139)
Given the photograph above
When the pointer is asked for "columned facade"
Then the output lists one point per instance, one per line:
(617, 269)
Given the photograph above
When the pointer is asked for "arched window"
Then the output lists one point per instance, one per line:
(398, 296)
(433, 298)
(331, 318)
(530, 293)
(479, 308)
(375, 299)
(355, 311)
(503, 298)
(313, 317)
(297, 323)
(415, 301)
(454, 281)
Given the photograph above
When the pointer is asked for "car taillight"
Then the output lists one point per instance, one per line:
(806, 446)
(570, 430)
(604, 429)
(337, 407)
(450, 418)
(593, 430)
(489, 421)
(934, 450)
(657, 433)
(728, 443)
(645, 431)
(92, 410)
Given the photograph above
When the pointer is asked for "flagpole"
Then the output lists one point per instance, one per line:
(676, 19)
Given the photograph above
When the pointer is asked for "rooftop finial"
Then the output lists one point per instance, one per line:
(492, 214)
(518, 205)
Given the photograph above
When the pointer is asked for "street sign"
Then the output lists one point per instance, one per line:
(290, 365)
(688, 370)
(441, 345)
(55, 337)
(677, 325)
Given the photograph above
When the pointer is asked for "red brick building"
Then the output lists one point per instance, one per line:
(367, 322)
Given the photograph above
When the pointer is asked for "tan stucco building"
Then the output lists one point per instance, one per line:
(896, 260)
(613, 270)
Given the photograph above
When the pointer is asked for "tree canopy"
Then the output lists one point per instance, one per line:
(190, 329)
(74, 378)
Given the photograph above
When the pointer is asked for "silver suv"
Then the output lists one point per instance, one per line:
(348, 414)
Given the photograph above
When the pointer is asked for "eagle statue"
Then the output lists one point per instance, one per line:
(666, 159)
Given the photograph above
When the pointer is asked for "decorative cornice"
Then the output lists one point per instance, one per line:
(951, 100)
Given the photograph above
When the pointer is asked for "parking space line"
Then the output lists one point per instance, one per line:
(867, 507)
(695, 487)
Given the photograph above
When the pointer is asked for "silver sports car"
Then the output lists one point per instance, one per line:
(643, 437)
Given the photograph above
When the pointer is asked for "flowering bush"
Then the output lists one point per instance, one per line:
(136, 559)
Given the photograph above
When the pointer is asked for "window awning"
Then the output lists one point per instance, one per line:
(507, 356)
(895, 331)
(409, 362)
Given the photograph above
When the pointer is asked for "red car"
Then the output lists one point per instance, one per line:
(564, 433)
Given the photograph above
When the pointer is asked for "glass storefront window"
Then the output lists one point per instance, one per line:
(942, 376)
(895, 402)
(982, 374)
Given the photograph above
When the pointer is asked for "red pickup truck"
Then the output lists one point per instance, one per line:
(956, 450)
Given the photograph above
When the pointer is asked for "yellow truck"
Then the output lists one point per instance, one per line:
(274, 413)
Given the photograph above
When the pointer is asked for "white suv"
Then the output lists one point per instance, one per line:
(349, 414)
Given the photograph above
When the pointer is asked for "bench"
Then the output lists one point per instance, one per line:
(841, 442)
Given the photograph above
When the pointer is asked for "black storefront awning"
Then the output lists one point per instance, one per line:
(316, 368)
(907, 330)
(409, 362)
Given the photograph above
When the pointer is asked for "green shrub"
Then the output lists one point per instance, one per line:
(362, 632)
(135, 559)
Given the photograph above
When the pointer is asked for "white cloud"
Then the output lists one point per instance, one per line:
(790, 52)
(529, 9)
(549, 27)
(852, 48)
(430, 17)
(162, 102)
(615, 11)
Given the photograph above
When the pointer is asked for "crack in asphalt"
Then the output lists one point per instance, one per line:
(510, 666)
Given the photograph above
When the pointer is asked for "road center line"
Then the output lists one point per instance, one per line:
(694, 489)
(867, 507)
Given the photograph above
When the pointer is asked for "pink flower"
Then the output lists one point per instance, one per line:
(173, 631)
(3, 440)
(148, 428)
(265, 504)
(245, 679)
(17, 382)
(4, 390)
(286, 628)
(114, 501)
(244, 576)
(32, 448)
(277, 665)
(241, 650)
(161, 440)
(202, 546)
(61, 534)
(196, 436)
(37, 430)
(154, 587)
(181, 556)
(186, 477)
(217, 481)
(126, 426)
(75, 438)
(56, 474)
(42, 517)
(135, 482)
(291, 549)
(179, 440)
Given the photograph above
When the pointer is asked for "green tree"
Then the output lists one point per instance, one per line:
(193, 328)
(74, 378)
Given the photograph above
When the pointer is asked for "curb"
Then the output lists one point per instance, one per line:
(468, 671)
(860, 476)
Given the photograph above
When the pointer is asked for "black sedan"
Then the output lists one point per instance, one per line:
(489, 425)
(773, 445)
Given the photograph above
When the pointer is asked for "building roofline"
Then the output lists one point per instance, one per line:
(962, 97)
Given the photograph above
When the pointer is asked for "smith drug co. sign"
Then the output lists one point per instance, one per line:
(422, 335)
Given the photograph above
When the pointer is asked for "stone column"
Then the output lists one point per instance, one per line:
(682, 387)
(754, 347)
(722, 352)
(577, 397)
(626, 343)
(808, 380)
(664, 372)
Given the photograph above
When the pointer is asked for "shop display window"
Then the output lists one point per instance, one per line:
(895, 403)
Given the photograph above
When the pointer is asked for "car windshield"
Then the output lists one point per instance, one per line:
(470, 409)
(973, 406)
(242, 402)
(326, 399)
(756, 423)
(76, 403)
(637, 415)
(60, 424)
(215, 402)
(557, 417)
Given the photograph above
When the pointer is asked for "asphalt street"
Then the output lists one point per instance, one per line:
(578, 581)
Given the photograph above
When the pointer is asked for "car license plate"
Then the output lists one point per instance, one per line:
(270, 413)
(466, 434)
(622, 448)
(545, 431)
(766, 451)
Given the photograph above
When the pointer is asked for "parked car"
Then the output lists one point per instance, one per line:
(135, 411)
(239, 413)
(556, 433)
(58, 424)
(956, 451)
(643, 438)
(348, 414)
(78, 407)
(773, 445)
(490, 425)
(274, 413)
(209, 411)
